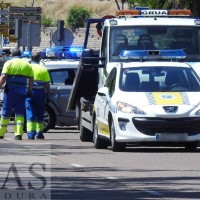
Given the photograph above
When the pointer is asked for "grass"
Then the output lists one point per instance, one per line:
(58, 9)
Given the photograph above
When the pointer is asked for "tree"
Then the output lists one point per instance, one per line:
(150, 3)
(47, 22)
(33, 3)
(196, 8)
(118, 7)
(78, 16)
(193, 5)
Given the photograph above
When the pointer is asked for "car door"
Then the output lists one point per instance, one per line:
(104, 96)
(61, 85)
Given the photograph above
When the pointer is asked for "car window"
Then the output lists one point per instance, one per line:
(111, 80)
(62, 77)
(154, 79)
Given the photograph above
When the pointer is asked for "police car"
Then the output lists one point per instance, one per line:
(62, 63)
(154, 99)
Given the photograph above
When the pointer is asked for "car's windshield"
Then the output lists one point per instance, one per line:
(155, 38)
(154, 79)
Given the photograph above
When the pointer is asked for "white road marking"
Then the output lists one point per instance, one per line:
(76, 165)
(111, 177)
(53, 156)
(25, 144)
(9, 139)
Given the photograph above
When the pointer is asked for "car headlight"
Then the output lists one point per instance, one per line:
(127, 108)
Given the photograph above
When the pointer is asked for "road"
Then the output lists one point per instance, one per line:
(62, 167)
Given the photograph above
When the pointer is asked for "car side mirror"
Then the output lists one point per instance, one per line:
(103, 91)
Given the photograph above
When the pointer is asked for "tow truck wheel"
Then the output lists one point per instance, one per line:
(116, 146)
(85, 134)
(191, 146)
(99, 143)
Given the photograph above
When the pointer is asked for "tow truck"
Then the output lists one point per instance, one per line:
(144, 29)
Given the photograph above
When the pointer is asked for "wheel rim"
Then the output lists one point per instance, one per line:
(46, 119)
(112, 136)
(95, 135)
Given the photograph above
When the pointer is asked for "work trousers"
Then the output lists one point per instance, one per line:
(35, 107)
(12, 102)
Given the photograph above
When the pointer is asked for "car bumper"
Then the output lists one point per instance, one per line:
(156, 129)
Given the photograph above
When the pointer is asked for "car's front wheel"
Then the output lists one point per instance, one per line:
(99, 143)
(116, 146)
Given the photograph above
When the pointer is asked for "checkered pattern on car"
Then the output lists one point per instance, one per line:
(113, 108)
(185, 98)
(150, 98)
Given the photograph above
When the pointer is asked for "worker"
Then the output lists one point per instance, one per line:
(17, 75)
(35, 105)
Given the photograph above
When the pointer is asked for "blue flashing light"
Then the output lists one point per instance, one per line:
(73, 52)
(153, 54)
(178, 53)
(26, 54)
(62, 52)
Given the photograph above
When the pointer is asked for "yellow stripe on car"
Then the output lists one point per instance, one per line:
(103, 128)
(167, 98)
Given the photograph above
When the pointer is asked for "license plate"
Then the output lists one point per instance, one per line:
(168, 137)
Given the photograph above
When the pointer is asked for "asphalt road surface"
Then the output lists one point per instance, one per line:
(62, 167)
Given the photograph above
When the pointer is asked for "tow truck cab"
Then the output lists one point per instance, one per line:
(130, 30)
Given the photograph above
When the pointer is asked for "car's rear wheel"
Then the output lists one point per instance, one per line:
(49, 119)
(116, 146)
(191, 146)
(99, 143)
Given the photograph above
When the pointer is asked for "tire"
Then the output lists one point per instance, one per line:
(115, 146)
(85, 134)
(25, 125)
(49, 119)
(99, 143)
(191, 146)
(78, 108)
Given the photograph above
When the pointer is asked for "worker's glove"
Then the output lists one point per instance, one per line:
(47, 99)
(28, 93)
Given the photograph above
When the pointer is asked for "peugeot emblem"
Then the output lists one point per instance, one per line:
(170, 109)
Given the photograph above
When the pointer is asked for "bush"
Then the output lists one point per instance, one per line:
(47, 22)
(77, 17)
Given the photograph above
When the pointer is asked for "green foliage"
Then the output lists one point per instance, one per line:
(154, 4)
(77, 17)
(47, 22)
(159, 4)
(185, 4)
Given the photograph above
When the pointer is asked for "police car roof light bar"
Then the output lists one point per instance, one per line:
(177, 54)
(62, 52)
